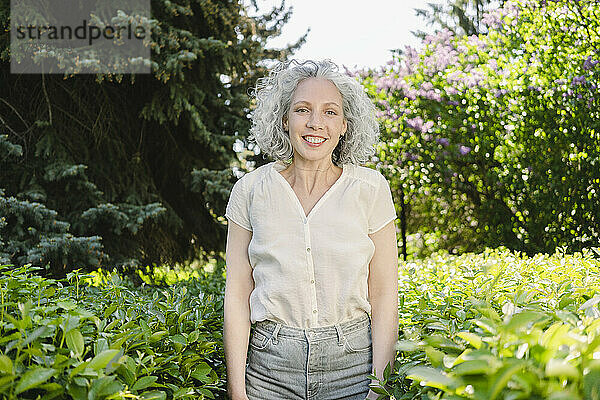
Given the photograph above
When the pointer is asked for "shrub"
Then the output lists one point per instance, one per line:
(499, 325)
(70, 340)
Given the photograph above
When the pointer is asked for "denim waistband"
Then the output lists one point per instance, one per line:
(322, 332)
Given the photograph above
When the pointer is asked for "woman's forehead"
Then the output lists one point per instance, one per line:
(321, 88)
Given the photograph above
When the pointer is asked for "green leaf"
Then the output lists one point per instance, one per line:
(565, 301)
(565, 395)
(77, 392)
(436, 357)
(104, 386)
(80, 367)
(75, 343)
(387, 371)
(203, 368)
(501, 378)
(591, 381)
(554, 335)
(206, 393)
(201, 372)
(522, 319)
(193, 337)
(51, 386)
(144, 382)
(487, 324)
(470, 338)
(561, 368)
(67, 305)
(156, 336)
(378, 390)
(154, 395)
(33, 378)
(126, 374)
(408, 346)
(111, 309)
(590, 303)
(442, 342)
(102, 359)
(183, 315)
(70, 322)
(42, 331)
(472, 367)
(431, 377)
(182, 392)
(6, 365)
(179, 339)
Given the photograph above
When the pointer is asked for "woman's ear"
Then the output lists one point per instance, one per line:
(345, 128)
(284, 123)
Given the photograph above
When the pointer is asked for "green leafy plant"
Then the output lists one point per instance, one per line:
(67, 339)
(499, 325)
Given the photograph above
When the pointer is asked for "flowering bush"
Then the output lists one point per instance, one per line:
(492, 139)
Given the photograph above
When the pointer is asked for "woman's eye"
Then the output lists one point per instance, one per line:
(301, 110)
(331, 112)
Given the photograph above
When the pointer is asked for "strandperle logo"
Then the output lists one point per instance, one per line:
(82, 32)
(81, 36)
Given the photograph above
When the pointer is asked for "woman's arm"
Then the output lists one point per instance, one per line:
(383, 297)
(236, 323)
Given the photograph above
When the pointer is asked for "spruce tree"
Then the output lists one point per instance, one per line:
(462, 17)
(128, 170)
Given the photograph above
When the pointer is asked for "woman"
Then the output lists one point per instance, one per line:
(311, 245)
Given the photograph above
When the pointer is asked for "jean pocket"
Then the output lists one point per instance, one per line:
(358, 341)
(259, 340)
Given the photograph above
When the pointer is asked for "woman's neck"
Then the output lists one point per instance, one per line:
(311, 176)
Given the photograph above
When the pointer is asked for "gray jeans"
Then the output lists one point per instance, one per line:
(326, 363)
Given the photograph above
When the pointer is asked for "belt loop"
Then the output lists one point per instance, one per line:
(275, 332)
(340, 334)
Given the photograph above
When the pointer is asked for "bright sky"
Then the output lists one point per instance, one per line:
(350, 33)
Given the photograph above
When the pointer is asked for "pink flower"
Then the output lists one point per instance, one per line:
(415, 123)
(464, 150)
(589, 63)
(410, 156)
(443, 141)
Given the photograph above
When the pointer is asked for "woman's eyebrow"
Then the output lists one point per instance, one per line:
(329, 103)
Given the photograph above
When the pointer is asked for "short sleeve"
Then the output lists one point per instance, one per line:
(238, 205)
(382, 208)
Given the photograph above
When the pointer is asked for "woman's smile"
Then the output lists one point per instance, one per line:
(313, 141)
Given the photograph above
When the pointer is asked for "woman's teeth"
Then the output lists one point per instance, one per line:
(314, 140)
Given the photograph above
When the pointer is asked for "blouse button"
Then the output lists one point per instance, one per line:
(308, 249)
(312, 281)
(314, 311)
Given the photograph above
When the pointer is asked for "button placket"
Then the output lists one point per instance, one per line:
(311, 275)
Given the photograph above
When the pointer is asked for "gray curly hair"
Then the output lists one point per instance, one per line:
(273, 98)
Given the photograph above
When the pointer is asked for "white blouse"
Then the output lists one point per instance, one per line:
(310, 271)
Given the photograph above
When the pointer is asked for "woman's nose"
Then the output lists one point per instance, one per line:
(315, 121)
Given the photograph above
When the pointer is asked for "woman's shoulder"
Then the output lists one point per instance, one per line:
(258, 174)
(367, 175)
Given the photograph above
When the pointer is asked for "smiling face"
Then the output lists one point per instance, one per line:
(315, 120)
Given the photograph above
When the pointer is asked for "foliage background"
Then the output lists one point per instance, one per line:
(490, 140)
